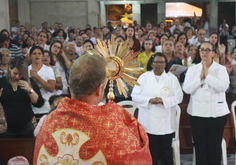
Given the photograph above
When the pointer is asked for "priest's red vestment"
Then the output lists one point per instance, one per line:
(78, 133)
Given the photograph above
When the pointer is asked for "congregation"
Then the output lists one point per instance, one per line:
(37, 66)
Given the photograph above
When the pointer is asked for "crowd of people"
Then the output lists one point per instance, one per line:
(36, 70)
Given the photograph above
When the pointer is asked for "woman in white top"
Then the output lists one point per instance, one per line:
(43, 76)
(157, 96)
(206, 83)
(162, 39)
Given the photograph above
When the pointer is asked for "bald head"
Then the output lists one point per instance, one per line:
(87, 73)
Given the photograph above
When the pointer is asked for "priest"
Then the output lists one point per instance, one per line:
(80, 132)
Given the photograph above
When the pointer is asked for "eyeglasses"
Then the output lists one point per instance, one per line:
(55, 46)
(205, 50)
(46, 56)
(159, 62)
(70, 48)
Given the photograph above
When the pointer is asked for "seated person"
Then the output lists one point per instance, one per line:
(82, 132)
(53, 101)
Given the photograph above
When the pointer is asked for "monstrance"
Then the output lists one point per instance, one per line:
(120, 65)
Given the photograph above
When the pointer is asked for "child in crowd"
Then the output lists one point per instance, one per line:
(53, 101)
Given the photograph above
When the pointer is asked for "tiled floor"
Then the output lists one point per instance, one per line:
(188, 159)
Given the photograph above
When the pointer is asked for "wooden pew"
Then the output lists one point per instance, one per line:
(17, 147)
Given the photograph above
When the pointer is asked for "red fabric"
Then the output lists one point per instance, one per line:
(110, 128)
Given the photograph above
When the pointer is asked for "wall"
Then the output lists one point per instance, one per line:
(13, 12)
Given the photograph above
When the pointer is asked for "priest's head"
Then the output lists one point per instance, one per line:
(87, 79)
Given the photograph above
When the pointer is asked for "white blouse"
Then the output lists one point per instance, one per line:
(157, 119)
(207, 97)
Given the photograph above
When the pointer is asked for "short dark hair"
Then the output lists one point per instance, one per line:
(43, 32)
(150, 61)
(208, 42)
(3, 37)
(87, 30)
(120, 36)
(144, 34)
(53, 98)
(153, 45)
(5, 30)
(89, 42)
(36, 47)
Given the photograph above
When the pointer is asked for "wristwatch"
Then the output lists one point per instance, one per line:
(31, 91)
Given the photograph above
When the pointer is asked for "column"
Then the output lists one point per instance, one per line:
(93, 12)
(24, 13)
(4, 12)
(136, 10)
(103, 17)
(213, 16)
(161, 11)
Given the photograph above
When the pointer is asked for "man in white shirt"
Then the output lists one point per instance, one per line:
(89, 32)
(15, 29)
(201, 37)
(79, 42)
(176, 26)
(71, 37)
(224, 32)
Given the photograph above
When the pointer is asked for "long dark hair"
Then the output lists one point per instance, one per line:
(183, 34)
(198, 57)
(150, 61)
(134, 38)
(52, 62)
(60, 59)
(216, 45)
(153, 46)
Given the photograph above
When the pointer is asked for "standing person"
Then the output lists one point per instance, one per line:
(15, 30)
(62, 62)
(34, 33)
(224, 32)
(208, 111)
(5, 56)
(42, 39)
(176, 26)
(86, 121)
(133, 43)
(17, 95)
(148, 49)
(157, 96)
(6, 43)
(219, 49)
(43, 76)
(89, 32)
(188, 61)
(48, 61)
(182, 37)
(162, 39)
(201, 37)
(179, 50)
(189, 33)
(79, 42)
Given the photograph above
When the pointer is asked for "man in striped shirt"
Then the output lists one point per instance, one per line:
(14, 49)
